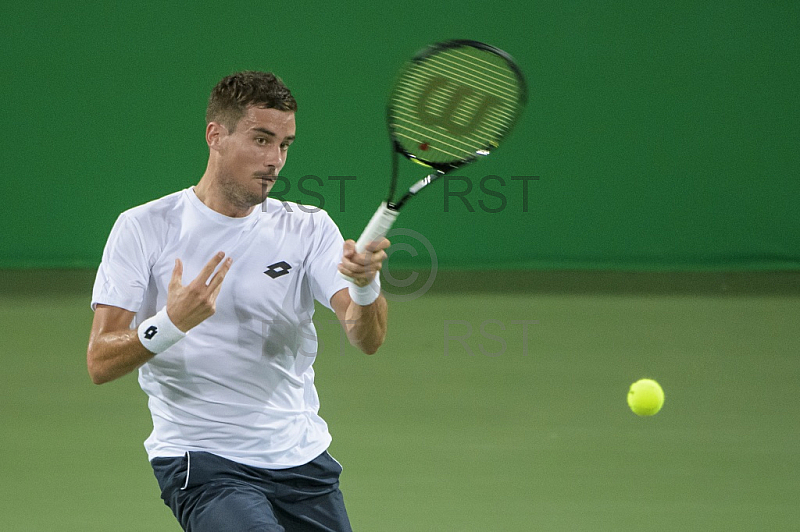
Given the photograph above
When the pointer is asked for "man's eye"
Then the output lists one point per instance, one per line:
(285, 147)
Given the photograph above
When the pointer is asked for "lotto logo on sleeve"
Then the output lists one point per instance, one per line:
(150, 332)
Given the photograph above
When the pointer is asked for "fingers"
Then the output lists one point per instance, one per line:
(215, 284)
(349, 249)
(365, 264)
(177, 275)
(374, 254)
(378, 245)
(187, 306)
(209, 268)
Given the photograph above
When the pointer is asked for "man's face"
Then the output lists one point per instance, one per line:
(251, 156)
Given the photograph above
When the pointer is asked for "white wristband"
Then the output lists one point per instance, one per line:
(365, 295)
(158, 333)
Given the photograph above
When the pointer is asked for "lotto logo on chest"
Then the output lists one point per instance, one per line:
(278, 269)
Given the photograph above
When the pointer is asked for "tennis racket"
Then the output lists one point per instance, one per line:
(453, 103)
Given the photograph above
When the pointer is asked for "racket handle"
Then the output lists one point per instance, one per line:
(378, 226)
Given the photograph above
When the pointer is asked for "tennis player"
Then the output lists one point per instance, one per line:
(209, 292)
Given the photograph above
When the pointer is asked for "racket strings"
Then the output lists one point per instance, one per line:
(439, 101)
(454, 104)
(492, 81)
(421, 136)
(493, 124)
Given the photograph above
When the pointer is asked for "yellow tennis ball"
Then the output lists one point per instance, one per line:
(645, 397)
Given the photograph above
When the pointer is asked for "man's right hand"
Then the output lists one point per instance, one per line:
(114, 348)
(188, 306)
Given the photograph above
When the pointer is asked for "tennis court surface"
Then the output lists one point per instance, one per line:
(495, 404)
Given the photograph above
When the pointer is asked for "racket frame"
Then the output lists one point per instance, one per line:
(387, 212)
(442, 168)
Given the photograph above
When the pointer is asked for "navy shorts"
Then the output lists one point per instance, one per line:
(208, 493)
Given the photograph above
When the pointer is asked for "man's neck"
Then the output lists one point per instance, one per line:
(216, 201)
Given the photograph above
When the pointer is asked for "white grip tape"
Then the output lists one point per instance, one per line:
(158, 333)
(378, 226)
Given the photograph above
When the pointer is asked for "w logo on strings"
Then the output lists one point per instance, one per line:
(453, 108)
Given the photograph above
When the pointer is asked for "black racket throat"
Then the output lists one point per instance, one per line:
(436, 171)
(416, 187)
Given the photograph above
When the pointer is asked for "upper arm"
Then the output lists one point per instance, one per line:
(324, 257)
(340, 301)
(125, 269)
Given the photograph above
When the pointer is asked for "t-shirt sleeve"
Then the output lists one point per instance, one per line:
(124, 273)
(324, 258)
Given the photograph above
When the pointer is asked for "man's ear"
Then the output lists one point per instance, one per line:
(215, 132)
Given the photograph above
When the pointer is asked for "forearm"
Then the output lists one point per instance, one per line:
(115, 349)
(112, 355)
(366, 325)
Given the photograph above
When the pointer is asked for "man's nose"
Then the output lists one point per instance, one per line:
(275, 156)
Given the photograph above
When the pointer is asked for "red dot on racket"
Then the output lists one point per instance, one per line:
(424, 146)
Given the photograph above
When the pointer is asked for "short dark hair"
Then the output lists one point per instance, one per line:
(235, 93)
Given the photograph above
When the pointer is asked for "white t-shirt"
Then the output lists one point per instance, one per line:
(241, 383)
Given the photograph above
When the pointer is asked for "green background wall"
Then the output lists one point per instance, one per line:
(664, 134)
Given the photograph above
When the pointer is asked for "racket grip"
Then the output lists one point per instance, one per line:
(378, 226)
